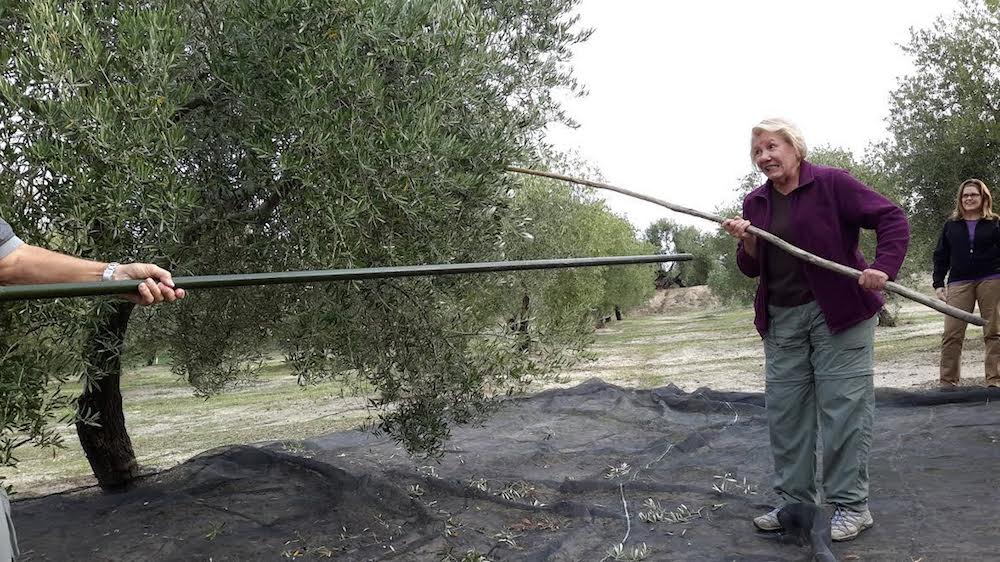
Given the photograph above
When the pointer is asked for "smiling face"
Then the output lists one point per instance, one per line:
(972, 201)
(777, 158)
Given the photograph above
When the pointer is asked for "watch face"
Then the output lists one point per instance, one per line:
(109, 271)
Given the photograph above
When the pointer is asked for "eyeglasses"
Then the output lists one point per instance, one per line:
(971, 196)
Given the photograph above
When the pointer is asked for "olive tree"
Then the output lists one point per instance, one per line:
(944, 120)
(236, 135)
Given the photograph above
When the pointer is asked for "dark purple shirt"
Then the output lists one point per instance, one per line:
(971, 226)
(829, 209)
(786, 282)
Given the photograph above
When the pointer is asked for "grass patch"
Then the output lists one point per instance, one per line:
(168, 424)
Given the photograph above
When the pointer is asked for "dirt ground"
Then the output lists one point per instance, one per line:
(685, 337)
(683, 299)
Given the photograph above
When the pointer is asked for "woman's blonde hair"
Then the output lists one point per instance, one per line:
(985, 200)
(783, 127)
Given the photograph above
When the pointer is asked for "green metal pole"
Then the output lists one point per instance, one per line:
(58, 290)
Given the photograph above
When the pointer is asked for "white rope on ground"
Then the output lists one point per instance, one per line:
(628, 520)
(661, 456)
(737, 418)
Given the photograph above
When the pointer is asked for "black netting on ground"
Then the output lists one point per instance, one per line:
(544, 480)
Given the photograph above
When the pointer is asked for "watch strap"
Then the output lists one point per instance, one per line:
(109, 271)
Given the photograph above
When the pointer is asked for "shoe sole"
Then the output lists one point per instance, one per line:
(855, 535)
(767, 529)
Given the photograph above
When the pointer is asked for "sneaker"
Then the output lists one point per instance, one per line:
(768, 521)
(847, 524)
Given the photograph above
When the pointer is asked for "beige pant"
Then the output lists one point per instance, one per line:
(965, 296)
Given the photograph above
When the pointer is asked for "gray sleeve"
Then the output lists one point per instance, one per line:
(8, 242)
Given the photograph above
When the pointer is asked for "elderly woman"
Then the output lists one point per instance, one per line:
(969, 248)
(818, 326)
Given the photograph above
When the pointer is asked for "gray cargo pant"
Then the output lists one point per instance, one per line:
(819, 385)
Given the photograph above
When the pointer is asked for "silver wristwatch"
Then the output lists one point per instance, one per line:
(109, 271)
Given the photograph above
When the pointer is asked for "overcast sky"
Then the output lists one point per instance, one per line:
(676, 86)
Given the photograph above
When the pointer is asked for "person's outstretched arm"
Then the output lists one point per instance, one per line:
(27, 264)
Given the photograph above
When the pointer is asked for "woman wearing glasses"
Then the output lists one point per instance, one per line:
(969, 253)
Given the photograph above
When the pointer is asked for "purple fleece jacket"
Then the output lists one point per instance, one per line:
(828, 211)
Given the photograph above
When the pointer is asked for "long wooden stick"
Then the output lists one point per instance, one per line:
(936, 304)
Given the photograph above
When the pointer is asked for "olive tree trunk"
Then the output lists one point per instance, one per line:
(107, 444)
